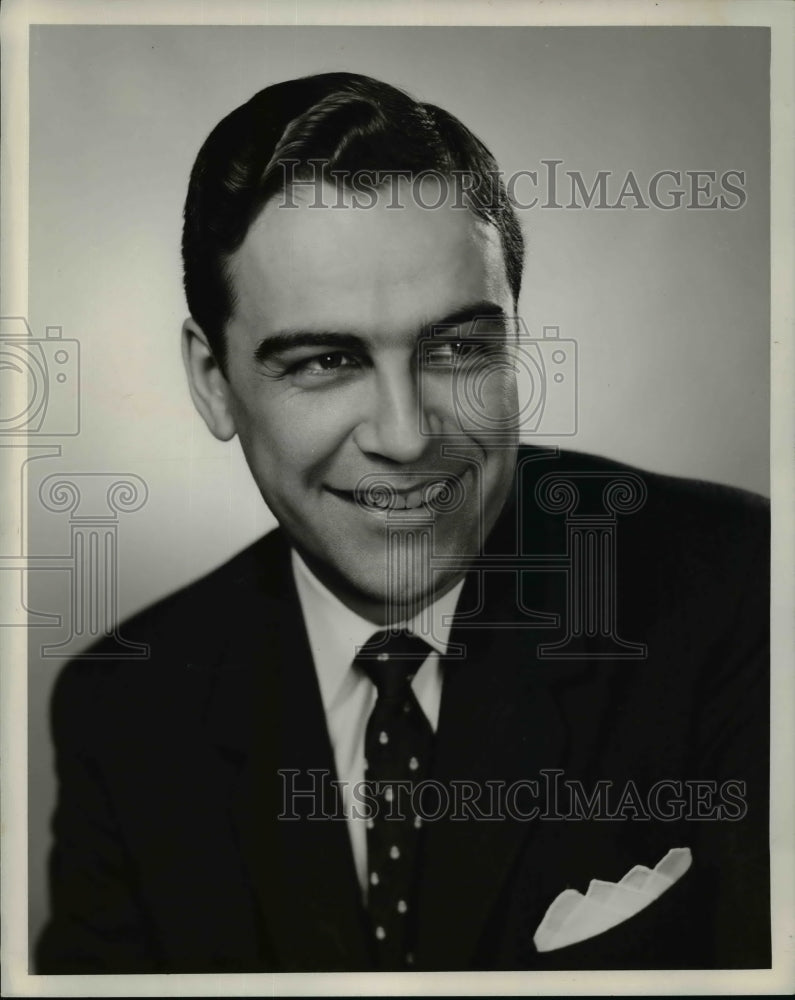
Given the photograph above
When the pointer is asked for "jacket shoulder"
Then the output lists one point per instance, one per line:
(695, 542)
(686, 502)
(190, 626)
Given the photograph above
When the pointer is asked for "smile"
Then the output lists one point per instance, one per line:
(379, 495)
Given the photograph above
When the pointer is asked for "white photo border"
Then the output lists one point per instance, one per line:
(779, 15)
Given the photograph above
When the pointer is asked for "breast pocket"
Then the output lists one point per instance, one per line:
(667, 933)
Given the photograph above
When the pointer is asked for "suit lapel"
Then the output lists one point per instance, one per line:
(497, 725)
(267, 719)
(500, 722)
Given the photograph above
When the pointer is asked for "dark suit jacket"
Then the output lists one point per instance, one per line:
(168, 853)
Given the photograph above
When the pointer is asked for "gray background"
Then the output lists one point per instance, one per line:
(670, 310)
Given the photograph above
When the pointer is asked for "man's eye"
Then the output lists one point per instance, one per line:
(325, 364)
(452, 353)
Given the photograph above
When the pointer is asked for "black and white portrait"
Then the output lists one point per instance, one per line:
(387, 407)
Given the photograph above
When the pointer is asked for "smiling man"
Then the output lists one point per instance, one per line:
(321, 371)
(465, 682)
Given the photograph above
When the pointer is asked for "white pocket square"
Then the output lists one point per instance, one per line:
(573, 917)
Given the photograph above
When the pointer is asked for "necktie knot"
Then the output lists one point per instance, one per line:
(391, 659)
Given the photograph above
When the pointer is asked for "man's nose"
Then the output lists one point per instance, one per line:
(395, 428)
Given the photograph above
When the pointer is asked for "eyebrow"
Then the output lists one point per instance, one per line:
(287, 340)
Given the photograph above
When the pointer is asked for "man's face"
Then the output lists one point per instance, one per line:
(330, 389)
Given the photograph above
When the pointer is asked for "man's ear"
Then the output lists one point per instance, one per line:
(209, 388)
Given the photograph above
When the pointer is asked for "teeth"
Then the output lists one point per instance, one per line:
(408, 501)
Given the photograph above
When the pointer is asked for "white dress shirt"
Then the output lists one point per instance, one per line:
(335, 634)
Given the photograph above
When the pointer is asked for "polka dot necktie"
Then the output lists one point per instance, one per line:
(397, 747)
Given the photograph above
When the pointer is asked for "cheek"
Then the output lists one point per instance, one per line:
(292, 435)
(486, 403)
(488, 388)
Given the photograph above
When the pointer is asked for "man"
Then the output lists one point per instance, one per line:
(464, 683)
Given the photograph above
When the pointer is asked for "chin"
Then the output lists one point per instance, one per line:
(377, 596)
(407, 596)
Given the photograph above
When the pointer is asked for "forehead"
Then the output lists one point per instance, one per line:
(363, 266)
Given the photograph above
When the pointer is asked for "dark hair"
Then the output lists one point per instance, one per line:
(350, 122)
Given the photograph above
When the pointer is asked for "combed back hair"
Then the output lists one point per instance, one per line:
(341, 124)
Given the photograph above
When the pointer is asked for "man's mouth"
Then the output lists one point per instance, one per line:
(378, 494)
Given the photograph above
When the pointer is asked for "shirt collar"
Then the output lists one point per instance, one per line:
(335, 632)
